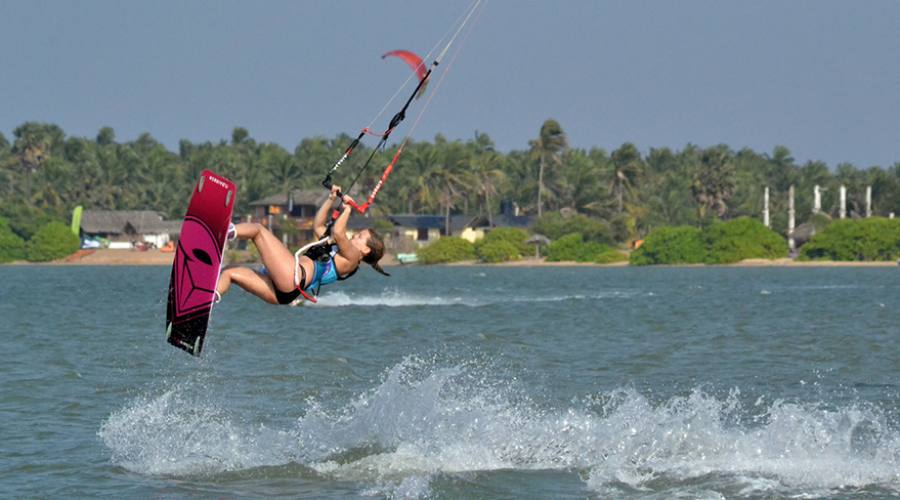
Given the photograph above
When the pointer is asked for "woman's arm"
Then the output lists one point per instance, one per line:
(339, 233)
(324, 212)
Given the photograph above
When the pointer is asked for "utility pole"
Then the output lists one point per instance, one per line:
(817, 199)
(843, 211)
(868, 201)
(791, 218)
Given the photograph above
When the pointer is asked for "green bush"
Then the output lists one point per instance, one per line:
(52, 241)
(498, 251)
(622, 227)
(383, 226)
(25, 221)
(610, 256)
(742, 238)
(555, 226)
(819, 221)
(671, 245)
(876, 238)
(447, 249)
(11, 246)
(502, 244)
(721, 243)
(572, 247)
(513, 235)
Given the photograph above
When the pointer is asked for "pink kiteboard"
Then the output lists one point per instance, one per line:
(198, 261)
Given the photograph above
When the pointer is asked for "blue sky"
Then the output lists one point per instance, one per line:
(819, 76)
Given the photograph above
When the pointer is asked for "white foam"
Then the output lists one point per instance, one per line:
(428, 425)
(177, 433)
(425, 419)
(393, 298)
(794, 449)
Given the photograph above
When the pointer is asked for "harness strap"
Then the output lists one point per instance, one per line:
(303, 292)
(300, 273)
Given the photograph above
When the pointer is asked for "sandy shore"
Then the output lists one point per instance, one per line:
(106, 257)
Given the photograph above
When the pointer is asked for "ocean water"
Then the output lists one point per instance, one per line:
(459, 382)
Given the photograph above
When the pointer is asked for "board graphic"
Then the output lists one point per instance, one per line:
(198, 261)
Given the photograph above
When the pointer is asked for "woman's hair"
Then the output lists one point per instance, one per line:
(376, 247)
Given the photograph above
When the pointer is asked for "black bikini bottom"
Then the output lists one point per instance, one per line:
(285, 298)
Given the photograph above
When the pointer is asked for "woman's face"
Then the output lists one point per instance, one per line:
(360, 240)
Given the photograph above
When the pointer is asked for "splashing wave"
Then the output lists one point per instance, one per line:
(399, 299)
(424, 420)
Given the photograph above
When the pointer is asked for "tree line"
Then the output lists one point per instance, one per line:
(44, 173)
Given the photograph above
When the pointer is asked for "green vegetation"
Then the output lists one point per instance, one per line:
(498, 251)
(819, 221)
(53, 241)
(555, 226)
(573, 248)
(382, 226)
(12, 247)
(742, 238)
(503, 244)
(877, 238)
(610, 256)
(447, 249)
(609, 197)
(720, 243)
(25, 221)
(671, 245)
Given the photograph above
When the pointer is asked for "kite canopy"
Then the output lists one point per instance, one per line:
(414, 62)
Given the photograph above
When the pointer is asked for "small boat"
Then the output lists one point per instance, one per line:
(407, 258)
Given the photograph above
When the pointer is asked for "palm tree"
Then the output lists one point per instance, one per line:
(713, 183)
(415, 188)
(782, 168)
(482, 160)
(447, 179)
(36, 143)
(487, 176)
(628, 167)
(547, 149)
(283, 170)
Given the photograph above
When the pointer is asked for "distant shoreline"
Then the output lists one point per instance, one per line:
(106, 257)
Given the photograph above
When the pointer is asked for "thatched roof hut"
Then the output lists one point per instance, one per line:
(113, 223)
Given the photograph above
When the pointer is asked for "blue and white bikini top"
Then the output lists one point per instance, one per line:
(326, 271)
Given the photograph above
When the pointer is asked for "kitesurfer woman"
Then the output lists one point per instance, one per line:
(275, 283)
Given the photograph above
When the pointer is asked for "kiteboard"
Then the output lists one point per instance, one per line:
(198, 261)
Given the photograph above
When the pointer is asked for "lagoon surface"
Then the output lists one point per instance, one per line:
(459, 382)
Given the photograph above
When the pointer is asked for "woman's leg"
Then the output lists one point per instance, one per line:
(279, 261)
(249, 280)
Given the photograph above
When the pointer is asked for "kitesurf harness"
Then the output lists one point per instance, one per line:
(322, 254)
